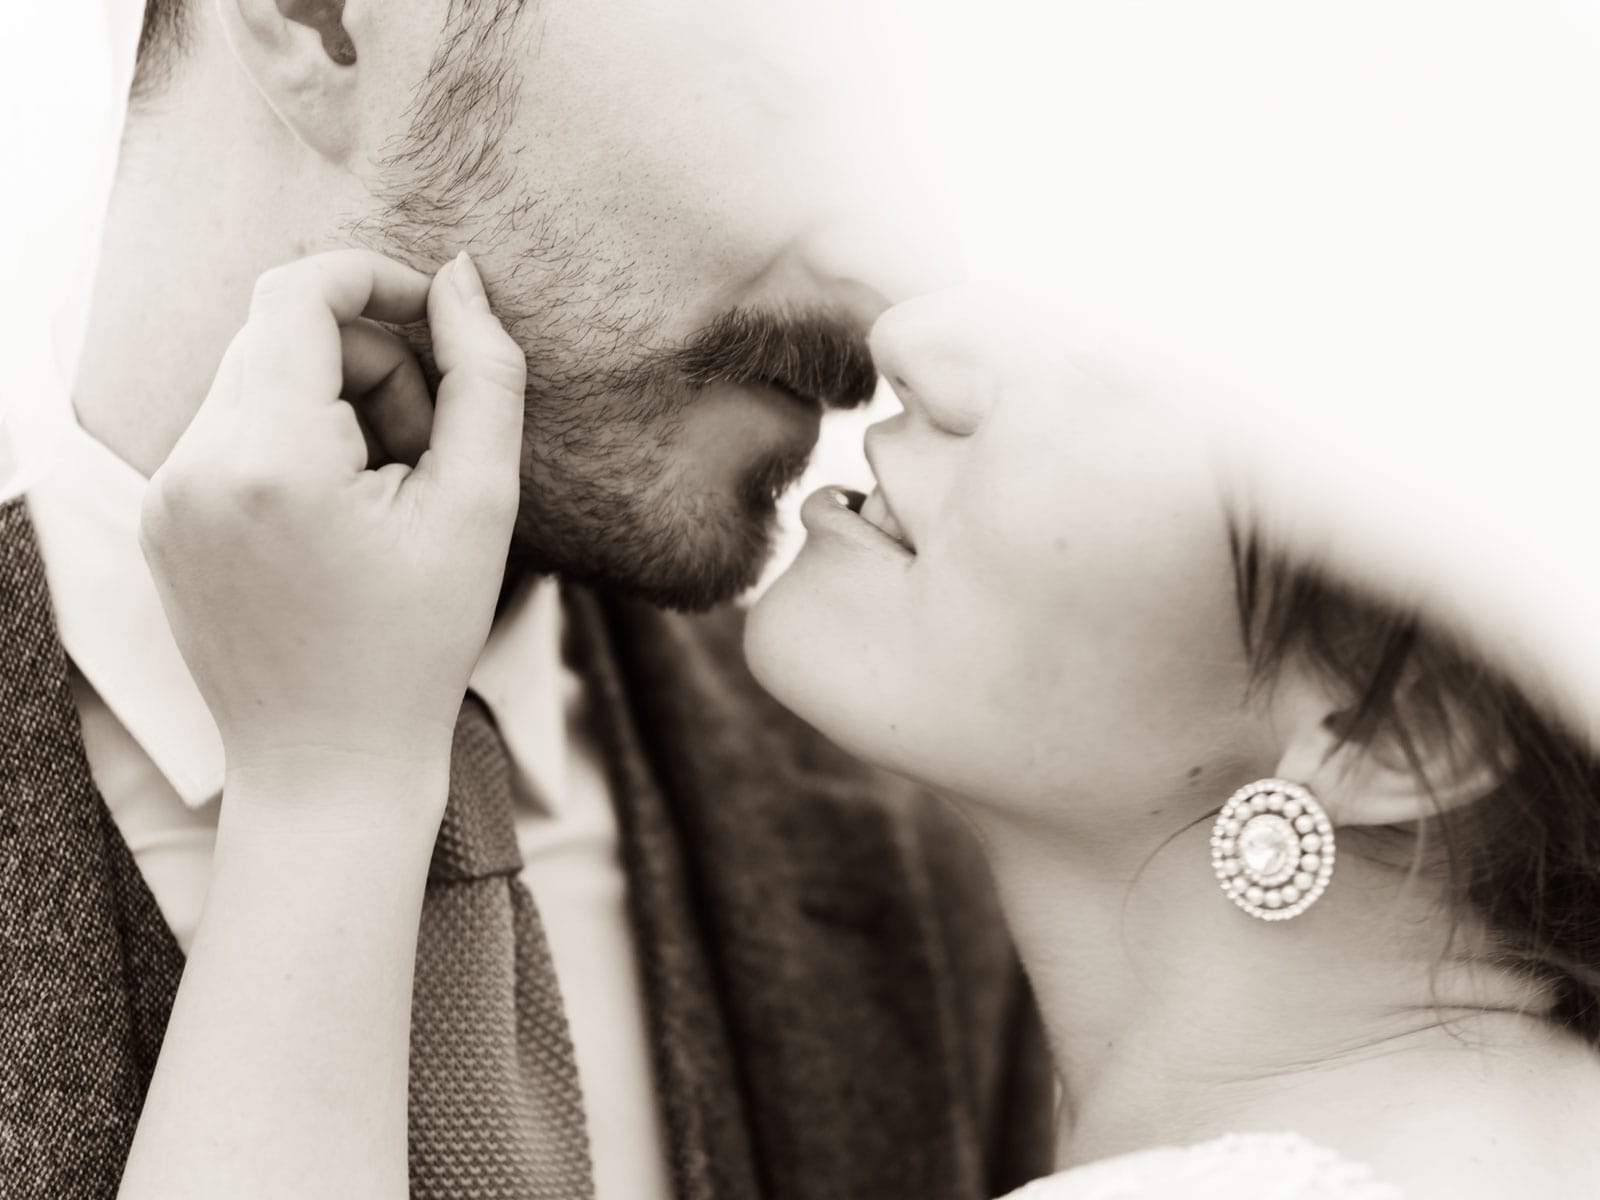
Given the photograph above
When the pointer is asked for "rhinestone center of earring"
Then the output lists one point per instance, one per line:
(1269, 847)
(1272, 849)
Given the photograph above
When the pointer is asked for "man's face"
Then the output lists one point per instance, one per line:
(647, 189)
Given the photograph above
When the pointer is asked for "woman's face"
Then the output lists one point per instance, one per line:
(1060, 623)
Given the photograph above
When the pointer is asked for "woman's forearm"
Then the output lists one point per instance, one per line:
(284, 1068)
(330, 604)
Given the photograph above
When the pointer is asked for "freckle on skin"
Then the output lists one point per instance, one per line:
(1194, 773)
(1061, 544)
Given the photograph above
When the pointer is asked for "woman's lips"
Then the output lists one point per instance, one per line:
(876, 511)
(839, 511)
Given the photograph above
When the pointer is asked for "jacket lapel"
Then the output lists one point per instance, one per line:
(696, 1074)
(88, 967)
(794, 877)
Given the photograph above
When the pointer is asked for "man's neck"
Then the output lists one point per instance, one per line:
(1174, 1017)
(191, 224)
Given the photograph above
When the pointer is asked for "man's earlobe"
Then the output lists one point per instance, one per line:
(302, 58)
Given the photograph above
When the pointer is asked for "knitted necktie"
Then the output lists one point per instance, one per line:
(496, 1106)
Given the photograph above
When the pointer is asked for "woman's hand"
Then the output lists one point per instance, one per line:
(331, 609)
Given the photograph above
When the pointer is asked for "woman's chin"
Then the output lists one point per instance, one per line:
(777, 640)
(818, 647)
(797, 643)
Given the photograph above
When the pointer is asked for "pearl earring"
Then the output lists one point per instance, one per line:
(1272, 849)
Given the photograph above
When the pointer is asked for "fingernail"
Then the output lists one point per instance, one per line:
(468, 283)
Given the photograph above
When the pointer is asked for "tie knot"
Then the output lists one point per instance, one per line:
(477, 837)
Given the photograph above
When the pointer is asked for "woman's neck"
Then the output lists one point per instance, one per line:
(1174, 1017)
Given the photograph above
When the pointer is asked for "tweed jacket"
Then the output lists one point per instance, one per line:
(835, 1010)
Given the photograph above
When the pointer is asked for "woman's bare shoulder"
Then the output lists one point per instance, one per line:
(1239, 1166)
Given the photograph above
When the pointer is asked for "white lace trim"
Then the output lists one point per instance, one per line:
(1240, 1166)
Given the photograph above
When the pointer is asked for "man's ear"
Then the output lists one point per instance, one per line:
(1421, 764)
(302, 57)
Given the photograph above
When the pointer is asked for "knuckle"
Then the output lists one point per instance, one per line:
(294, 281)
(505, 368)
(203, 497)
(276, 281)
(255, 485)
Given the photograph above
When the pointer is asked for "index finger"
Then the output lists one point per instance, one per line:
(294, 348)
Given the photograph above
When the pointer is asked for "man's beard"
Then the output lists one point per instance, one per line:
(605, 500)
(608, 496)
(610, 492)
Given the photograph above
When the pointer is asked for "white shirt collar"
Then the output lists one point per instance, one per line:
(29, 431)
(85, 512)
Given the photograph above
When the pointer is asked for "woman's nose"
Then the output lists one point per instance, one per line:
(932, 352)
(867, 264)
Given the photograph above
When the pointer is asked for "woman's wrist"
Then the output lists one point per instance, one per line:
(288, 1040)
(327, 789)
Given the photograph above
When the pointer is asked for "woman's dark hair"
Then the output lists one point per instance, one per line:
(1526, 857)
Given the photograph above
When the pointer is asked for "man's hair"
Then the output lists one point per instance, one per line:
(160, 43)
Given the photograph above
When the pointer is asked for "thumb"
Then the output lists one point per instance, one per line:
(477, 422)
